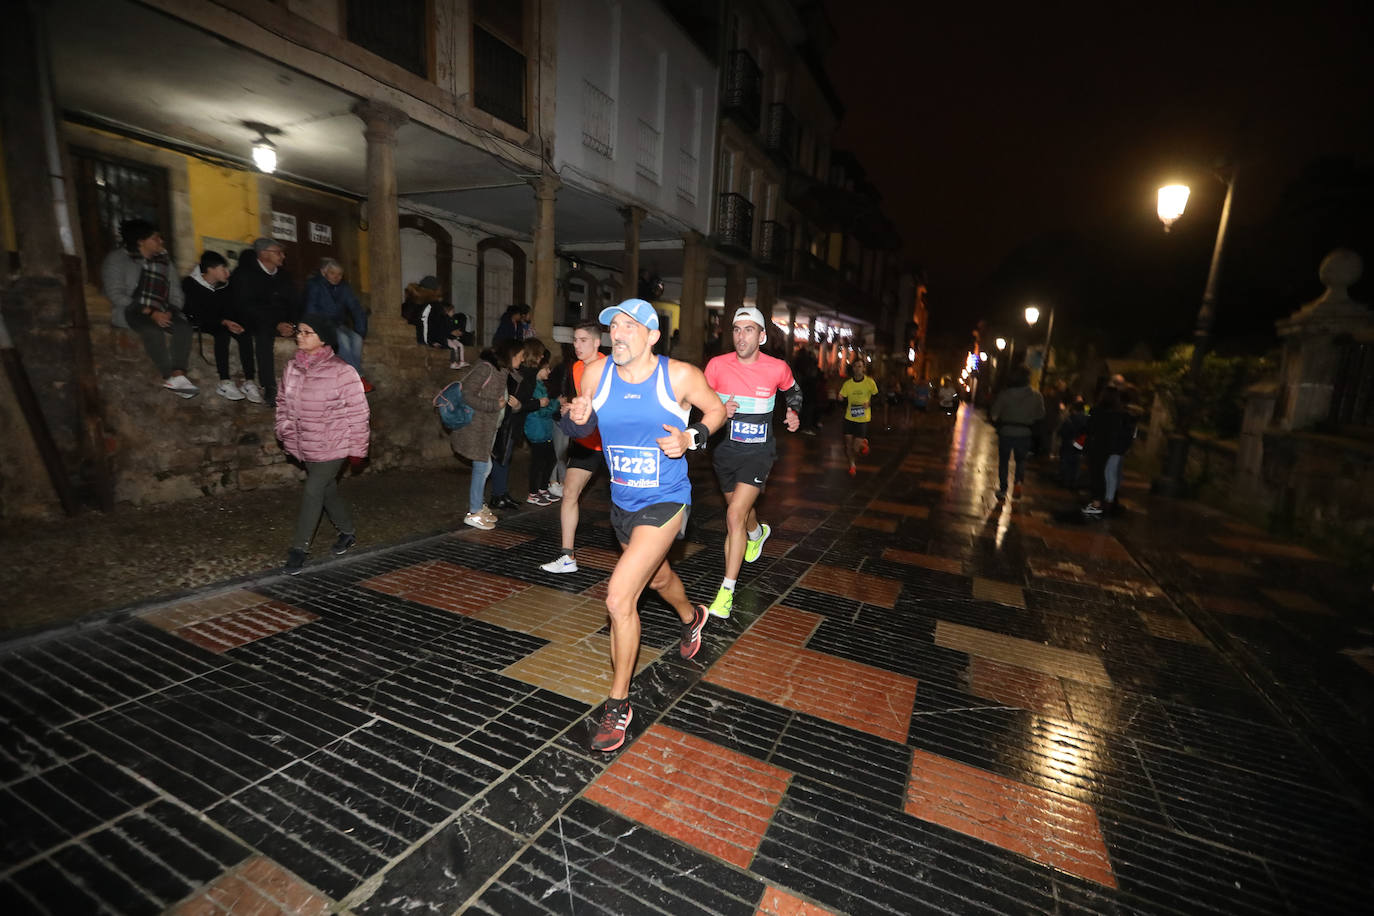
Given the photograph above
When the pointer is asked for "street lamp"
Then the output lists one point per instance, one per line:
(1172, 199)
(1176, 462)
(1001, 343)
(1032, 316)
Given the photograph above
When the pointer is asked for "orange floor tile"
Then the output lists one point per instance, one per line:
(447, 586)
(238, 628)
(849, 583)
(259, 887)
(834, 689)
(1040, 825)
(1015, 686)
(777, 902)
(694, 791)
(911, 558)
(787, 625)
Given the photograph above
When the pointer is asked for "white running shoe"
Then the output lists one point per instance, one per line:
(556, 488)
(564, 564)
(478, 520)
(181, 385)
(229, 391)
(252, 392)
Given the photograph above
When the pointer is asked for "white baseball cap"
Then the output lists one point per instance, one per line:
(749, 313)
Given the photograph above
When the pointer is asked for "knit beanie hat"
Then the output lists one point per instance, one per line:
(325, 327)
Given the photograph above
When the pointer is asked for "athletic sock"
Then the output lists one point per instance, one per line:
(756, 533)
(728, 584)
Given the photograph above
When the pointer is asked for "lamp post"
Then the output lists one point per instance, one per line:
(1172, 200)
(1032, 316)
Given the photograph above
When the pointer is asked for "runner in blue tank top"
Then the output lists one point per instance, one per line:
(640, 404)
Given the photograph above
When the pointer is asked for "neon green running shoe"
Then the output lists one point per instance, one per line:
(725, 600)
(754, 549)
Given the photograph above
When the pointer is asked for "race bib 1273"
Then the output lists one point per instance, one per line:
(633, 465)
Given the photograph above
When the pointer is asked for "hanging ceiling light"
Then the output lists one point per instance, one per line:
(264, 150)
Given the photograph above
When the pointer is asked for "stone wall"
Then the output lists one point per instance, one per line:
(165, 448)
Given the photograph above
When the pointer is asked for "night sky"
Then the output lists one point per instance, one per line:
(1018, 148)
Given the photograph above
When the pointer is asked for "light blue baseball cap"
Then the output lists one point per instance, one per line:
(637, 309)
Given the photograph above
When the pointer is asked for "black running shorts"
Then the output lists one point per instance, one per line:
(624, 522)
(742, 465)
(583, 458)
(857, 430)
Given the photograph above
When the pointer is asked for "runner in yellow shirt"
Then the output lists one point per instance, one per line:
(857, 393)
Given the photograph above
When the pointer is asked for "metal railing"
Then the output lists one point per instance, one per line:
(598, 120)
(649, 152)
(1352, 393)
(781, 140)
(743, 95)
(687, 176)
(773, 244)
(396, 31)
(735, 223)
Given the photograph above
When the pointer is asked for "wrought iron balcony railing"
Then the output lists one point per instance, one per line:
(743, 96)
(781, 141)
(735, 223)
(773, 244)
(598, 120)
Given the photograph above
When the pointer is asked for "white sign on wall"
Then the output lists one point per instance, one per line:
(283, 226)
(321, 234)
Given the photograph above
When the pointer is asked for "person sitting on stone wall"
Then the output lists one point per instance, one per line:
(416, 308)
(265, 304)
(442, 329)
(328, 294)
(208, 308)
(137, 281)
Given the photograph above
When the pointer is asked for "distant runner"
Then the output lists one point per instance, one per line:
(640, 404)
(584, 455)
(857, 392)
(747, 381)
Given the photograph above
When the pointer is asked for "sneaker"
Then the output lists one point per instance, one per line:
(691, 633)
(808, 432)
(535, 499)
(368, 387)
(853, 471)
(1001, 495)
(487, 514)
(610, 730)
(251, 391)
(754, 549)
(564, 564)
(182, 386)
(458, 365)
(1092, 511)
(342, 545)
(864, 449)
(295, 562)
(504, 501)
(229, 391)
(549, 498)
(555, 489)
(725, 600)
(1016, 492)
(478, 520)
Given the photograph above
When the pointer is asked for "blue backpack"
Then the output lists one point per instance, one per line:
(454, 412)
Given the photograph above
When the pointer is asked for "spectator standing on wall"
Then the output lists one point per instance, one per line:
(137, 280)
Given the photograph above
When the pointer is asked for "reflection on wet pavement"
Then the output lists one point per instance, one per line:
(926, 700)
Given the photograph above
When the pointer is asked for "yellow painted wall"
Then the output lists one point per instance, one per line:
(224, 202)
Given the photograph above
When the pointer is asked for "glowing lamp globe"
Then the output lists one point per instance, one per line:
(1172, 199)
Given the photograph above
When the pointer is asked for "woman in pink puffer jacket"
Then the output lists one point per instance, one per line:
(322, 420)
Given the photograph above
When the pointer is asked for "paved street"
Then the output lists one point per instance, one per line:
(925, 701)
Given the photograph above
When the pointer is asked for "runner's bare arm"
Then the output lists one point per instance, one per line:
(692, 389)
(580, 419)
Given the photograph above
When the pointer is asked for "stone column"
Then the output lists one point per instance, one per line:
(633, 217)
(791, 330)
(1311, 354)
(696, 258)
(380, 123)
(736, 281)
(542, 303)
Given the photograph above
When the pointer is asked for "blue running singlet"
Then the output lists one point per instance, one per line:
(630, 419)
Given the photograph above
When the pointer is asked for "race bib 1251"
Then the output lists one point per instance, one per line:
(744, 431)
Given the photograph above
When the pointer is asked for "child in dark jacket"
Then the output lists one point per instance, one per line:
(1075, 426)
(539, 434)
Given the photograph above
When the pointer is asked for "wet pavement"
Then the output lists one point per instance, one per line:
(925, 701)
